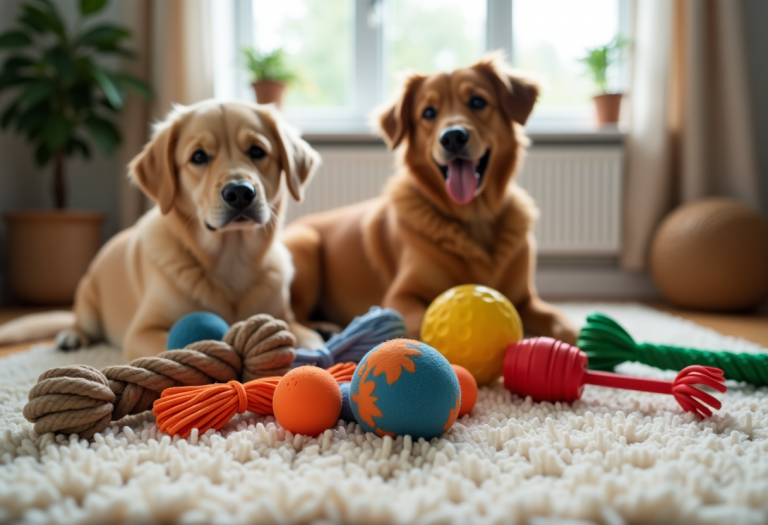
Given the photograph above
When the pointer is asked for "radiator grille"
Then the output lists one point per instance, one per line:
(577, 189)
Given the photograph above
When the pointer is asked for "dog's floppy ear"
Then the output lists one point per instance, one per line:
(516, 93)
(154, 169)
(394, 121)
(299, 161)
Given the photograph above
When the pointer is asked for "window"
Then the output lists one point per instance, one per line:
(431, 35)
(348, 52)
(548, 38)
(317, 37)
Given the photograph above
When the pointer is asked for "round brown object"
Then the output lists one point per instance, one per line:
(712, 255)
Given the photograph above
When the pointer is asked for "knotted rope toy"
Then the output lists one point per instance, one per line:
(551, 370)
(80, 399)
(607, 344)
(180, 409)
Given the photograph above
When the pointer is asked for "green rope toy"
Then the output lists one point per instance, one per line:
(607, 344)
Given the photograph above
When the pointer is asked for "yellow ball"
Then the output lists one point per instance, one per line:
(472, 325)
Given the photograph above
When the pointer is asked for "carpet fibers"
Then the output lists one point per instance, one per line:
(612, 457)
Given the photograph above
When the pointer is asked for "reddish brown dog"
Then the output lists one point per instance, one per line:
(451, 215)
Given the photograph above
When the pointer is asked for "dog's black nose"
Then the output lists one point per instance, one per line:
(238, 195)
(454, 138)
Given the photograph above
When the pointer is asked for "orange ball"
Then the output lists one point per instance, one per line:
(468, 387)
(307, 401)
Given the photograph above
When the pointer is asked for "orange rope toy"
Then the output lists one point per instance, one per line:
(179, 410)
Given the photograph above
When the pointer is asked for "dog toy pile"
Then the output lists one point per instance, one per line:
(551, 370)
(306, 400)
(80, 399)
(362, 334)
(607, 344)
(472, 325)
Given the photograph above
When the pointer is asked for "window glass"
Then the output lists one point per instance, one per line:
(318, 39)
(432, 35)
(549, 36)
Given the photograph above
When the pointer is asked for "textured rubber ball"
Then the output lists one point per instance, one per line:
(307, 401)
(194, 327)
(468, 387)
(472, 326)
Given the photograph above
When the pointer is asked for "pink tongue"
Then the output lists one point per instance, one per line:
(461, 183)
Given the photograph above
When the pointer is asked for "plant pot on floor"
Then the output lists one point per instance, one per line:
(269, 92)
(608, 108)
(49, 252)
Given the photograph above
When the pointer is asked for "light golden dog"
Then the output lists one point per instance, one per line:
(451, 214)
(219, 173)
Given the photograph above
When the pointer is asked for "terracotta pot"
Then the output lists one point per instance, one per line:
(608, 107)
(268, 92)
(49, 252)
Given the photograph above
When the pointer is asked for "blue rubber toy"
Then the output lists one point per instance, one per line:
(363, 333)
(346, 409)
(405, 387)
(198, 326)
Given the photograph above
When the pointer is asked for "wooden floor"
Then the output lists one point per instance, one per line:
(752, 327)
(6, 314)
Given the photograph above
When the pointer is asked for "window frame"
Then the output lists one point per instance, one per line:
(370, 64)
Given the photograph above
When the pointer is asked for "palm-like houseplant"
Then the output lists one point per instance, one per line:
(270, 74)
(598, 61)
(62, 98)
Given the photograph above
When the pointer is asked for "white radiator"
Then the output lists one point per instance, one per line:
(578, 190)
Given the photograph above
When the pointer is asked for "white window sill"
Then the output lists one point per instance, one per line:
(609, 134)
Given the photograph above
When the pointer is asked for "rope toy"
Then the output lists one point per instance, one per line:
(181, 409)
(607, 344)
(80, 399)
(551, 370)
(362, 334)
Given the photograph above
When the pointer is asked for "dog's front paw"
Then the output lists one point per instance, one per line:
(565, 331)
(71, 339)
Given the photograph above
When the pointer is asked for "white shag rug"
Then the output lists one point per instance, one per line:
(612, 457)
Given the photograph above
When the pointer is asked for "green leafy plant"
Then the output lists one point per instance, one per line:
(268, 66)
(61, 88)
(599, 59)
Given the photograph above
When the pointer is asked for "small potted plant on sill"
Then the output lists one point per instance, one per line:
(61, 94)
(270, 74)
(598, 60)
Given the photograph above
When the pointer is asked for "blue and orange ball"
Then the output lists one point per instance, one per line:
(405, 387)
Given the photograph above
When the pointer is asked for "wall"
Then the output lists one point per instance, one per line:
(756, 20)
(91, 184)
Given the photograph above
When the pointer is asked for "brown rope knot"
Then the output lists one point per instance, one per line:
(80, 399)
(264, 345)
(70, 399)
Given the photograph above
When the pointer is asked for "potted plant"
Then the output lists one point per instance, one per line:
(598, 60)
(269, 74)
(62, 100)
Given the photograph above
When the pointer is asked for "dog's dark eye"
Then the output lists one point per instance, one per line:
(429, 113)
(477, 103)
(256, 153)
(199, 157)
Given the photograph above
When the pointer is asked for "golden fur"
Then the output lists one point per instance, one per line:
(403, 249)
(185, 255)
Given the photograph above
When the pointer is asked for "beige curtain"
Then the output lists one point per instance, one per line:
(691, 134)
(173, 41)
